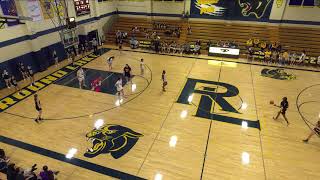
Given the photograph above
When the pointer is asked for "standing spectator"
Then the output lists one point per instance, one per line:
(23, 71)
(15, 84)
(30, 74)
(95, 45)
(55, 57)
(7, 79)
(118, 36)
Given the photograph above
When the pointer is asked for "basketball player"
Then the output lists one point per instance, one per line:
(283, 108)
(127, 73)
(96, 84)
(141, 67)
(120, 45)
(164, 80)
(23, 71)
(316, 130)
(81, 78)
(119, 87)
(31, 74)
(38, 108)
(15, 84)
(109, 61)
(6, 77)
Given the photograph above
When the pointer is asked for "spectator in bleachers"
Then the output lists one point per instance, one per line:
(274, 57)
(134, 43)
(189, 30)
(11, 172)
(47, 174)
(196, 50)
(250, 54)
(292, 58)
(302, 57)
(118, 36)
(285, 57)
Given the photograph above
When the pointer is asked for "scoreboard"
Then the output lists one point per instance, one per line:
(82, 7)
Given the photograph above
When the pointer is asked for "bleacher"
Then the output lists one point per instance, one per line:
(125, 24)
(291, 38)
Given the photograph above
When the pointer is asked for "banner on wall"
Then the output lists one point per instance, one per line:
(9, 8)
(34, 10)
(50, 8)
(231, 9)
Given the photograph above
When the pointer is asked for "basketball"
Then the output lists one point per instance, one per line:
(271, 102)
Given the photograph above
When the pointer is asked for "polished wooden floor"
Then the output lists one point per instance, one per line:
(204, 148)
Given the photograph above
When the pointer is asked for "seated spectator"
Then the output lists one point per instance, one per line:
(12, 172)
(292, 58)
(233, 44)
(134, 43)
(196, 50)
(318, 61)
(4, 160)
(267, 56)
(285, 57)
(47, 174)
(302, 57)
(274, 57)
(249, 43)
(250, 54)
(189, 30)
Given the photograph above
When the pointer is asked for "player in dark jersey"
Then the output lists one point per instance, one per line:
(283, 108)
(38, 108)
(127, 73)
(316, 130)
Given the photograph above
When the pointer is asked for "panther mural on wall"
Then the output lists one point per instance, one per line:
(254, 7)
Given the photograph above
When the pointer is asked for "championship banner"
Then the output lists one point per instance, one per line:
(50, 8)
(231, 9)
(34, 10)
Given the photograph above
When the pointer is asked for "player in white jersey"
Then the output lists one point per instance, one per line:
(141, 67)
(81, 77)
(109, 61)
(119, 87)
(164, 80)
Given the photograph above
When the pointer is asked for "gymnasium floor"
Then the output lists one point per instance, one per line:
(155, 134)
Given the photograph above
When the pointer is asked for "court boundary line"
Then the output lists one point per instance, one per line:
(221, 60)
(209, 132)
(74, 161)
(15, 100)
(257, 116)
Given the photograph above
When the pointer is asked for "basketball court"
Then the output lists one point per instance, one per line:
(213, 122)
